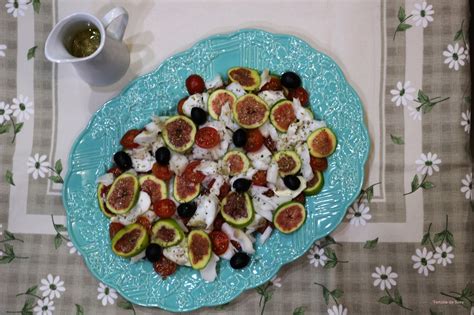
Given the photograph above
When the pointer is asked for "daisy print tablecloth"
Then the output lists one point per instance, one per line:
(405, 246)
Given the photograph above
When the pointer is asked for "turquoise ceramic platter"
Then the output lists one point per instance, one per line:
(332, 99)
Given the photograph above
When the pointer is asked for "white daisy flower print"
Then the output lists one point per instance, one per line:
(16, 7)
(384, 277)
(22, 108)
(276, 281)
(5, 112)
(443, 255)
(317, 257)
(422, 15)
(465, 120)
(72, 249)
(52, 287)
(106, 295)
(360, 215)
(414, 114)
(466, 188)
(402, 94)
(2, 50)
(454, 56)
(44, 307)
(337, 310)
(428, 163)
(38, 166)
(424, 261)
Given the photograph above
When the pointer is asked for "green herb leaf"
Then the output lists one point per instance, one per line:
(9, 177)
(31, 52)
(458, 35)
(385, 300)
(36, 6)
(299, 311)
(337, 293)
(18, 128)
(415, 183)
(401, 14)
(402, 27)
(427, 185)
(326, 295)
(397, 139)
(58, 167)
(58, 240)
(371, 243)
(4, 128)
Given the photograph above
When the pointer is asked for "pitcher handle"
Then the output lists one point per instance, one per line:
(115, 22)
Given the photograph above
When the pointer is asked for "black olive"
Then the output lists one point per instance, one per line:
(292, 182)
(239, 260)
(123, 160)
(163, 156)
(290, 80)
(198, 115)
(239, 138)
(187, 210)
(153, 252)
(242, 184)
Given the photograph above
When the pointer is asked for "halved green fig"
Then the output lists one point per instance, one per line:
(154, 187)
(237, 209)
(289, 217)
(101, 197)
(166, 233)
(315, 184)
(322, 142)
(123, 194)
(217, 99)
(130, 240)
(282, 115)
(289, 163)
(199, 249)
(185, 190)
(237, 162)
(248, 78)
(179, 133)
(250, 111)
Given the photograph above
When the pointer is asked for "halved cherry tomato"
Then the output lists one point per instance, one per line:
(300, 198)
(220, 242)
(193, 176)
(254, 140)
(207, 137)
(224, 191)
(318, 164)
(270, 144)
(218, 221)
(164, 208)
(195, 84)
(115, 170)
(114, 227)
(273, 85)
(260, 178)
(127, 139)
(180, 105)
(162, 171)
(164, 267)
(143, 221)
(301, 94)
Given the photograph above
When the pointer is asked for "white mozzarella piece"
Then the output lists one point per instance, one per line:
(107, 179)
(240, 237)
(265, 235)
(264, 78)
(142, 160)
(192, 101)
(261, 159)
(271, 97)
(178, 253)
(303, 152)
(206, 212)
(215, 83)
(236, 88)
(209, 273)
(178, 163)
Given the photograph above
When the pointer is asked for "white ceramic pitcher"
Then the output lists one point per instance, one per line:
(109, 62)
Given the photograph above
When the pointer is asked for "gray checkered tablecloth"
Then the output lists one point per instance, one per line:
(409, 62)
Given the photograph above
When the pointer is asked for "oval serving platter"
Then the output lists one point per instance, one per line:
(332, 99)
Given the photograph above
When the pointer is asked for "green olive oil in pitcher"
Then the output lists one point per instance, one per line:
(84, 42)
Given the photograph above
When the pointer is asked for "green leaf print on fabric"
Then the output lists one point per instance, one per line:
(415, 184)
(58, 168)
(334, 294)
(9, 254)
(58, 239)
(9, 236)
(36, 6)
(371, 243)
(427, 104)
(435, 313)
(397, 139)
(9, 177)
(396, 298)
(402, 18)
(299, 310)
(466, 296)
(265, 295)
(31, 52)
(79, 309)
(126, 305)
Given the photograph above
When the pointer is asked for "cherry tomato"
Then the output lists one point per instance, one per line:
(164, 208)
(260, 178)
(115, 170)
(180, 105)
(273, 85)
(254, 140)
(193, 176)
(220, 242)
(195, 84)
(162, 171)
(127, 139)
(300, 198)
(301, 94)
(318, 164)
(218, 221)
(270, 144)
(164, 267)
(207, 137)
(143, 221)
(114, 227)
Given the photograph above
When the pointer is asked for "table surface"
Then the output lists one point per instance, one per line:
(420, 241)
